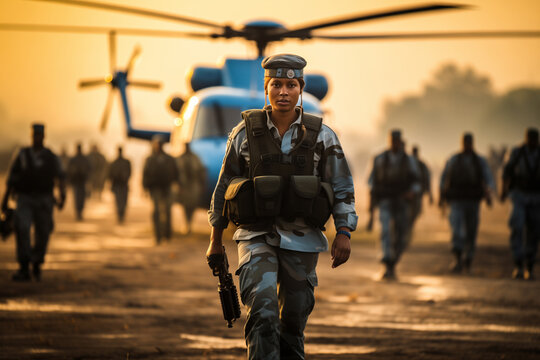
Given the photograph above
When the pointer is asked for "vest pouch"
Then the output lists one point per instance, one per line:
(239, 206)
(268, 194)
(323, 205)
(301, 193)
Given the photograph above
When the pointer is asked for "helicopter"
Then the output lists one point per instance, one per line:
(220, 93)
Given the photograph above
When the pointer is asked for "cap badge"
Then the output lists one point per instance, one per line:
(290, 73)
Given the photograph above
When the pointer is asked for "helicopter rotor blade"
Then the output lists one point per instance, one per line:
(136, 52)
(304, 31)
(112, 51)
(146, 84)
(92, 82)
(434, 35)
(137, 11)
(104, 30)
(107, 110)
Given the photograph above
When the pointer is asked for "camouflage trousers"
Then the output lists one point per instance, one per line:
(36, 210)
(395, 228)
(277, 287)
(79, 198)
(162, 213)
(120, 192)
(525, 228)
(464, 218)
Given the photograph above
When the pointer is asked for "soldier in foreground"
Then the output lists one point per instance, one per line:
(119, 174)
(32, 178)
(521, 181)
(394, 184)
(78, 173)
(192, 182)
(158, 175)
(465, 181)
(283, 174)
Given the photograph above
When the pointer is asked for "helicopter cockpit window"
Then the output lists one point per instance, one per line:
(214, 120)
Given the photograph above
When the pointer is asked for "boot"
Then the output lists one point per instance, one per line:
(518, 271)
(36, 271)
(22, 275)
(467, 265)
(457, 266)
(389, 273)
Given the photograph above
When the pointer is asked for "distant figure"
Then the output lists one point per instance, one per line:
(64, 158)
(78, 173)
(496, 161)
(465, 181)
(119, 174)
(521, 180)
(394, 183)
(158, 175)
(192, 181)
(32, 179)
(98, 175)
(425, 181)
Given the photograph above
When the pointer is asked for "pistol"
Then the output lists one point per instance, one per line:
(228, 295)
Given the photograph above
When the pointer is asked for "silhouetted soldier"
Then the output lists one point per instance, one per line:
(465, 181)
(394, 182)
(78, 173)
(158, 175)
(521, 180)
(119, 174)
(98, 174)
(425, 181)
(32, 178)
(192, 181)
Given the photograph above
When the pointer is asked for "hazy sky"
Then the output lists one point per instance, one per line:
(39, 71)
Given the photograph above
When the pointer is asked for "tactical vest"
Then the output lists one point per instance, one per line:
(458, 187)
(386, 185)
(528, 181)
(277, 184)
(36, 180)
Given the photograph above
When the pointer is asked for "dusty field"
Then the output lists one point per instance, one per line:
(109, 293)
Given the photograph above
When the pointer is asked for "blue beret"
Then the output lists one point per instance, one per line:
(284, 66)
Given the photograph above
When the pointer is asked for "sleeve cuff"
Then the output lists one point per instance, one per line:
(346, 220)
(217, 220)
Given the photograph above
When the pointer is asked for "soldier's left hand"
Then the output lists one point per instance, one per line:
(341, 250)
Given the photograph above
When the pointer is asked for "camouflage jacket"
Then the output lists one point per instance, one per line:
(290, 235)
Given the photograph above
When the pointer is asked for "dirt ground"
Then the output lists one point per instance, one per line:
(109, 293)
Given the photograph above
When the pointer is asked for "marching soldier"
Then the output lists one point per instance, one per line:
(32, 178)
(283, 174)
(78, 173)
(521, 180)
(465, 181)
(119, 174)
(159, 173)
(192, 181)
(98, 175)
(394, 183)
